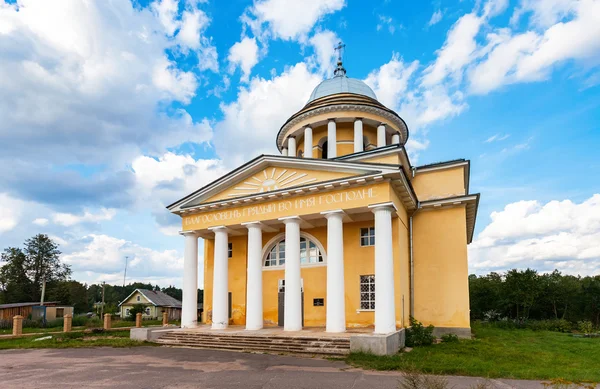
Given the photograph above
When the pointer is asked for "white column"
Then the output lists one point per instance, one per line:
(284, 151)
(358, 136)
(220, 308)
(189, 303)
(381, 135)
(308, 143)
(254, 292)
(336, 308)
(396, 138)
(293, 289)
(385, 307)
(331, 139)
(292, 146)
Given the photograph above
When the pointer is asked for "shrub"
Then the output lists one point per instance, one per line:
(94, 322)
(137, 308)
(449, 338)
(80, 320)
(585, 326)
(419, 335)
(557, 325)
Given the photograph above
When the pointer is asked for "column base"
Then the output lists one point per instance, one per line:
(217, 326)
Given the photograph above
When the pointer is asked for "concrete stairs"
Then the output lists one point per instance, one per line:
(249, 343)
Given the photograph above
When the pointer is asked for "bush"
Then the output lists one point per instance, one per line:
(80, 320)
(585, 326)
(419, 335)
(94, 322)
(556, 325)
(449, 338)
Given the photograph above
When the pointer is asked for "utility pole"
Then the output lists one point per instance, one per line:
(43, 290)
(102, 306)
(125, 274)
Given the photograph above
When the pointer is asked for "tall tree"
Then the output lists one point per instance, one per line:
(14, 285)
(42, 262)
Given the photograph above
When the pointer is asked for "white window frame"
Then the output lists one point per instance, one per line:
(370, 237)
(279, 238)
(368, 281)
(138, 299)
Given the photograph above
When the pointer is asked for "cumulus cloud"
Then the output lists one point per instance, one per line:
(250, 123)
(243, 54)
(98, 257)
(89, 81)
(530, 56)
(325, 57)
(388, 23)
(70, 219)
(558, 234)
(288, 20)
(10, 212)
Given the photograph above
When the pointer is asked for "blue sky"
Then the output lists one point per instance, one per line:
(112, 109)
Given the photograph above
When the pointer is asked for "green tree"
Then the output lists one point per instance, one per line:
(42, 263)
(137, 308)
(15, 286)
(521, 288)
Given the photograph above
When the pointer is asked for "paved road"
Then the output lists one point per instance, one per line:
(182, 368)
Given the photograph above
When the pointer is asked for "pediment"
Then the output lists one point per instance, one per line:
(274, 174)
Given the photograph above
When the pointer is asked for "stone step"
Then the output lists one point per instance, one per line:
(249, 343)
(256, 346)
(261, 340)
(272, 349)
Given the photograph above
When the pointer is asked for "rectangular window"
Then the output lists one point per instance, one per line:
(318, 302)
(367, 292)
(229, 250)
(367, 236)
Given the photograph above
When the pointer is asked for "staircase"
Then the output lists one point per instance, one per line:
(268, 344)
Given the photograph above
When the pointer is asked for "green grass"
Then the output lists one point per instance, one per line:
(499, 353)
(75, 339)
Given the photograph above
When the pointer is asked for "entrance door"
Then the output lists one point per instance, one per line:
(281, 302)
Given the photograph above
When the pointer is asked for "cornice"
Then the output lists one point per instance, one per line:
(389, 117)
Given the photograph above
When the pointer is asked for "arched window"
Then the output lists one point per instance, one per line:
(310, 253)
(300, 153)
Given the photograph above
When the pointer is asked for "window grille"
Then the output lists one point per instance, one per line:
(367, 236)
(367, 292)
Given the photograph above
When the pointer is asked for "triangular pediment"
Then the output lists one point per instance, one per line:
(268, 174)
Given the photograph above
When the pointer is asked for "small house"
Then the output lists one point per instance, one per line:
(155, 303)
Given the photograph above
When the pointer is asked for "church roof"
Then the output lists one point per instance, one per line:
(341, 84)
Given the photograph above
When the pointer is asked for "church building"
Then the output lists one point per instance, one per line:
(339, 230)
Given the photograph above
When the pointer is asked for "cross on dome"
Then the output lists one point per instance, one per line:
(339, 70)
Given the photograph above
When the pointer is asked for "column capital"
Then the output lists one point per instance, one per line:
(308, 126)
(290, 219)
(382, 206)
(357, 119)
(189, 233)
(331, 120)
(382, 124)
(218, 228)
(333, 213)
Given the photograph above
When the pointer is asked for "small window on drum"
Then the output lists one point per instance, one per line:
(300, 153)
(318, 302)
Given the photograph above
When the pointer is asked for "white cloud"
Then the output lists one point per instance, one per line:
(41, 221)
(250, 123)
(435, 18)
(70, 219)
(99, 75)
(456, 53)
(530, 56)
(497, 138)
(544, 13)
(10, 212)
(288, 19)
(387, 21)
(99, 257)
(324, 59)
(167, 11)
(390, 81)
(559, 234)
(245, 55)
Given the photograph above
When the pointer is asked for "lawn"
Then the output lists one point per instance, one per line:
(495, 353)
(75, 339)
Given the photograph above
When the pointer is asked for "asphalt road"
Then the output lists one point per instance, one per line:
(163, 367)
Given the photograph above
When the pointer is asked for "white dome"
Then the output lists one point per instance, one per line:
(341, 84)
